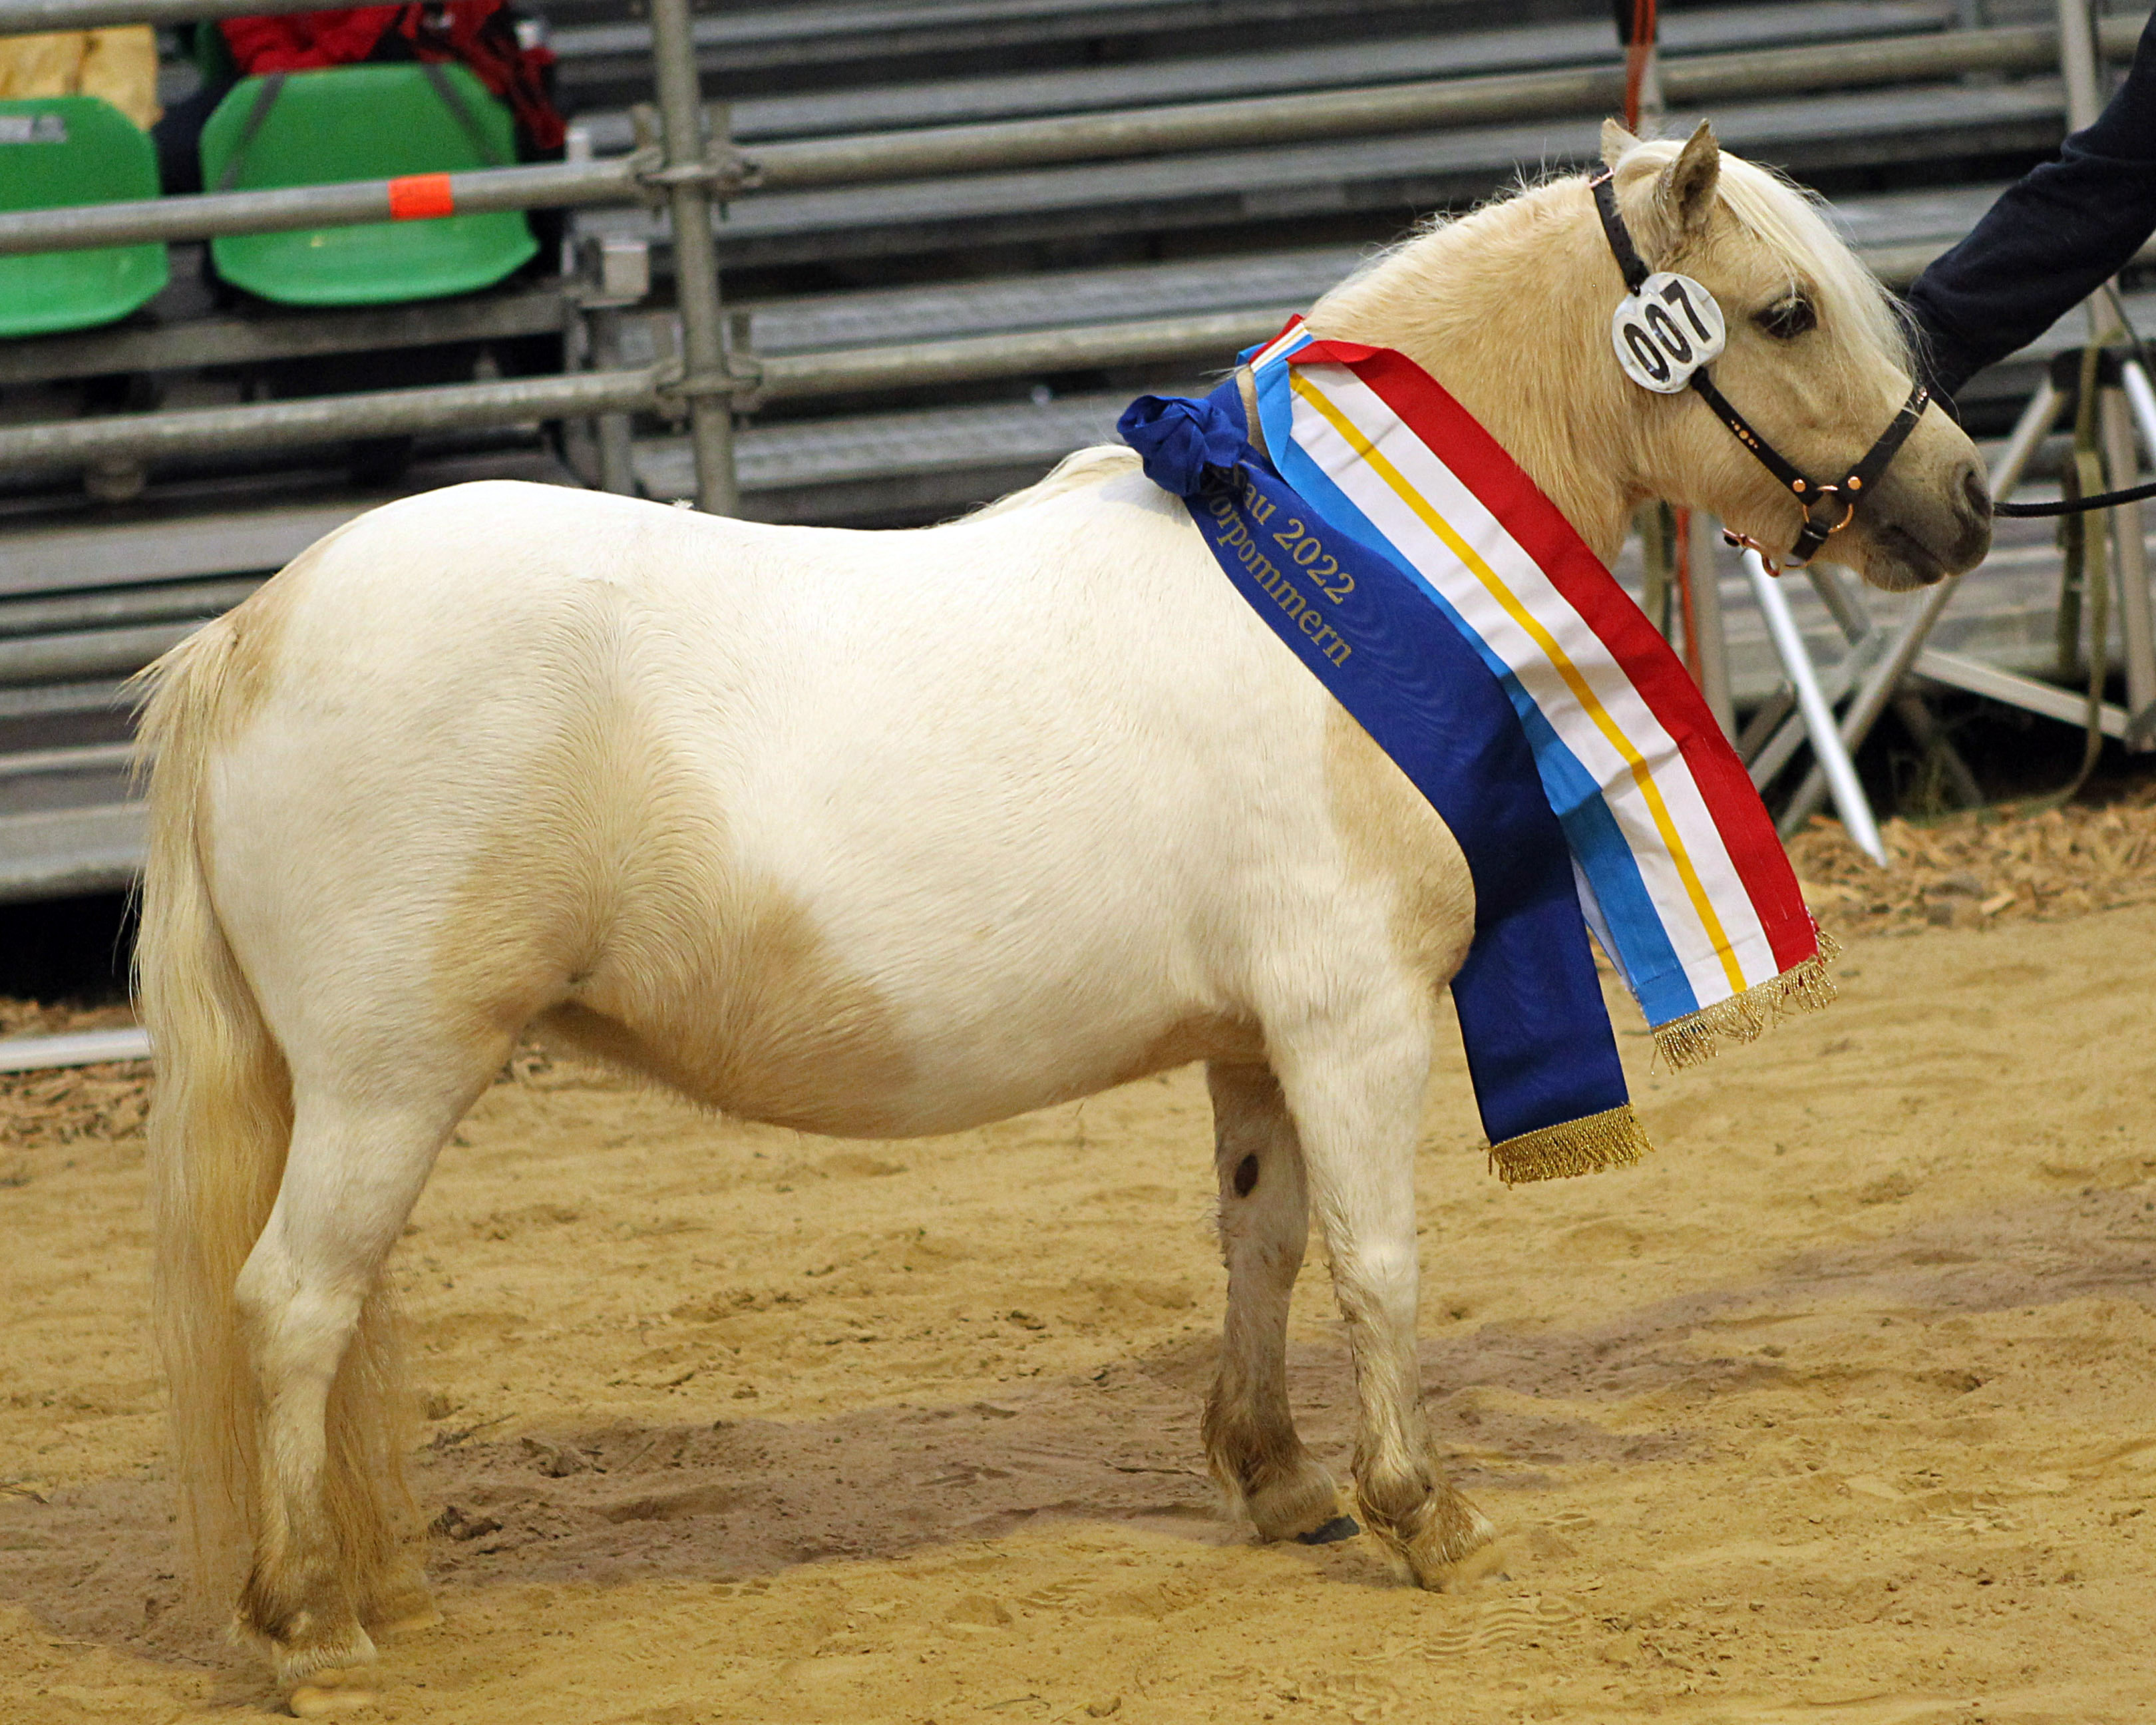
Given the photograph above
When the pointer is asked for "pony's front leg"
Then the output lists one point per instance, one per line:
(1251, 1440)
(1354, 1082)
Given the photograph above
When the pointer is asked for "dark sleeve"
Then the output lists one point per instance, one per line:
(2050, 238)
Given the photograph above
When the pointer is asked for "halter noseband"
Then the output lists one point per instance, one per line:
(1818, 502)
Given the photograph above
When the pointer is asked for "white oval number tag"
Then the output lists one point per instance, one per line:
(1667, 331)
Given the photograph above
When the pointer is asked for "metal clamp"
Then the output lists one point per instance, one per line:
(722, 167)
(676, 387)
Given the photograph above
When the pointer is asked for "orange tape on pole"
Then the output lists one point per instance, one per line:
(420, 197)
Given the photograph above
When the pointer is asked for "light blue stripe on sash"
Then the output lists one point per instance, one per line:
(1645, 954)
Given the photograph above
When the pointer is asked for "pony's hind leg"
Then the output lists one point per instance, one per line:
(1353, 1081)
(1251, 1440)
(328, 1557)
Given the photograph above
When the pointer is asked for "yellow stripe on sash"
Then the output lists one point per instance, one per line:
(1542, 638)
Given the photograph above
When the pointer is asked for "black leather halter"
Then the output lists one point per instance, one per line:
(1827, 508)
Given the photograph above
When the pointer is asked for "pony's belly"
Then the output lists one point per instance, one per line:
(957, 1085)
(794, 1068)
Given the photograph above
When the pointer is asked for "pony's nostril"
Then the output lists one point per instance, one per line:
(1976, 492)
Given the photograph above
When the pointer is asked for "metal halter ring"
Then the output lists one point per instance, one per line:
(1809, 492)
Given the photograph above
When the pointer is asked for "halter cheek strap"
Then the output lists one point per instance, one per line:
(1827, 507)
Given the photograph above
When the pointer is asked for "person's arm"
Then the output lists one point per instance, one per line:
(2049, 241)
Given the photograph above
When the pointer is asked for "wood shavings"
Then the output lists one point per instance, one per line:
(1983, 868)
(43, 1110)
(51, 1109)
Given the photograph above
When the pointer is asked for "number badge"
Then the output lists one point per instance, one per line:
(1667, 331)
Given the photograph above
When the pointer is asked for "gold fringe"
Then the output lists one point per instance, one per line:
(1698, 1036)
(1614, 1138)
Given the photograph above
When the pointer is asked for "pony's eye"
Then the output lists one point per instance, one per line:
(1788, 319)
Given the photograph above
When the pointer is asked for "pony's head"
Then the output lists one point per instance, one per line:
(1510, 309)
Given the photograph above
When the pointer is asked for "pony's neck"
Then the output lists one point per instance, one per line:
(1509, 309)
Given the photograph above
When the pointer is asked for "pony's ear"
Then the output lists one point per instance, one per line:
(1688, 183)
(1615, 141)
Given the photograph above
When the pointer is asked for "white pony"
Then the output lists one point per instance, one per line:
(880, 834)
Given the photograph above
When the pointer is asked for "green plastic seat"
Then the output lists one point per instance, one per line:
(364, 123)
(62, 150)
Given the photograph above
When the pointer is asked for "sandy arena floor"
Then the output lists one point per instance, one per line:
(1842, 1408)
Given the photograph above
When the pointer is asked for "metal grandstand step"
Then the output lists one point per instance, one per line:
(151, 343)
(1313, 66)
(804, 44)
(47, 558)
(1895, 233)
(874, 317)
(1240, 187)
(56, 853)
(890, 467)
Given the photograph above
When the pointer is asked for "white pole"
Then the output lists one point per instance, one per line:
(1886, 674)
(1713, 645)
(2141, 397)
(1819, 716)
(82, 1047)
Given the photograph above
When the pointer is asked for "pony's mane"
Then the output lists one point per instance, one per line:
(1787, 219)
(1081, 467)
(1784, 219)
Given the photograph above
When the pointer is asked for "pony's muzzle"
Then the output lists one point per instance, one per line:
(1927, 532)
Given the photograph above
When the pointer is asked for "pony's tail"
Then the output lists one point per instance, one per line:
(219, 1129)
(220, 1118)
(220, 1124)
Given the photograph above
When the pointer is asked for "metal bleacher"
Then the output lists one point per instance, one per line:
(1188, 254)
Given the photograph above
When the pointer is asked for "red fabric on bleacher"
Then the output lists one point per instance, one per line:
(478, 33)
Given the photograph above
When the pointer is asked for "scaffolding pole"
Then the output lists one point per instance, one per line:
(689, 174)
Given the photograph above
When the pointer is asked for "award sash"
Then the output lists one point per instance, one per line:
(1423, 574)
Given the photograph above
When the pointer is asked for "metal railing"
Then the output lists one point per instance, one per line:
(20, 17)
(789, 378)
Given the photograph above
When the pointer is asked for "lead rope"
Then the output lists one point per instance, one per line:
(2100, 499)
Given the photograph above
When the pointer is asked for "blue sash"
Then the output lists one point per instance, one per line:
(1544, 1063)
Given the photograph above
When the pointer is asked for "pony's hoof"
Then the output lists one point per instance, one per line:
(1303, 1505)
(337, 1690)
(1453, 1549)
(1332, 1532)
